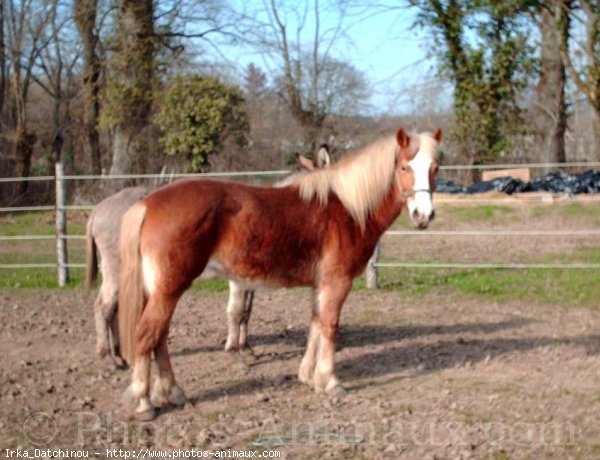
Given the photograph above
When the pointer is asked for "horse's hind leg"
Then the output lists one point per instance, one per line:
(235, 313)
(151, 327)
(137, 393)
(236, 309)
(102, 342)
(115, 349)
(165, 390)
(248, 301)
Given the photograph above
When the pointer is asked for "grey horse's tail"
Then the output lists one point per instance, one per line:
(91, 257)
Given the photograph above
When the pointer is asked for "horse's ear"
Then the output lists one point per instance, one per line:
(304, 162)
(402, 138)
(437, 135)
(323, 158)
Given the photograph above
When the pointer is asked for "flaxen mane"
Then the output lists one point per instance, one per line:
(361, 179)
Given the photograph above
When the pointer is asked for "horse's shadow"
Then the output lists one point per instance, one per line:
(364, 335)
(418, 358)
(423, 359)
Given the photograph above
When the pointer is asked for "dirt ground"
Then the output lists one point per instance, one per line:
(428, 377)
(441, 375)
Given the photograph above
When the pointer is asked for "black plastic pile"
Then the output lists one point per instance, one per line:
(559, 182)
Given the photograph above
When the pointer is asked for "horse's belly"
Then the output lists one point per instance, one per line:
(251, 275)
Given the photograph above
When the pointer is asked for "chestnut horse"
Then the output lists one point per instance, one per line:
(102, 236)
(319, 231)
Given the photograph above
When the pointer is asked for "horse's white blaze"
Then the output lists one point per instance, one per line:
(150, 272)
(421, 202)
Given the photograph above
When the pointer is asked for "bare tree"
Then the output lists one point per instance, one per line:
(129, 89)
(296, 46)
(3, 79)
(550, 111)
(85, 18)
(56, 74)
(585, 74)
(26, 23)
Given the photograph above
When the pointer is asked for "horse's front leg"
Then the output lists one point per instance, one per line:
(331, 296)
(307, 366)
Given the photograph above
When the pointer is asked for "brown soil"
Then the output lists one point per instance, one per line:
(428, 377)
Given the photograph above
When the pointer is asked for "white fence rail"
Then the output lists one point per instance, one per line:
(61, 212)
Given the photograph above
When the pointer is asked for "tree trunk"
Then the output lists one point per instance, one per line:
(134, 66)
(551, 112)
(23, 151)
(85, 17)
(3, 80)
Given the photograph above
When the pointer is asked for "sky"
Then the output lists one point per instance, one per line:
(384, 46)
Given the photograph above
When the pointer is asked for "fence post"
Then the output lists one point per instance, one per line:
(61, 226)
(371, 273)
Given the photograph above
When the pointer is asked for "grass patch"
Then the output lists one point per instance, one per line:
(38, 278)
(39, 223)
(498, 455)
(216, 285)
(553, 286)
(587, 211)
(483, 213)
(37, 251)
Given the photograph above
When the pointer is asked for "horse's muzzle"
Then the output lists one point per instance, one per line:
(421, 220)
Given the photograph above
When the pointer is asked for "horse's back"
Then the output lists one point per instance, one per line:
(109, 212)
(263, 234)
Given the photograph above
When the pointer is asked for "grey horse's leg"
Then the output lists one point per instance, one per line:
(102, 340)
(115, 348)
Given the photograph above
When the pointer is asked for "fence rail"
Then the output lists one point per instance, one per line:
(61, 208)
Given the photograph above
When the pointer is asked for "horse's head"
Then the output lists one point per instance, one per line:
(320, 160)
(416, 167)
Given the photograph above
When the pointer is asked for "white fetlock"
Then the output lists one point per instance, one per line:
(305, 377)
(145, 411)
(130, 397)
(101, 350)
(335, 388)
(230, 346)
(159, 395)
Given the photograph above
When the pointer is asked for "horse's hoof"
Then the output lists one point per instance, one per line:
(101, 351)
(230, 347)
(338, 391)
(119, 363)
(177, 397)
(306, 381)
(146, 415)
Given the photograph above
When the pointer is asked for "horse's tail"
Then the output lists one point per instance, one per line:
(91, 258)
(131, 290)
